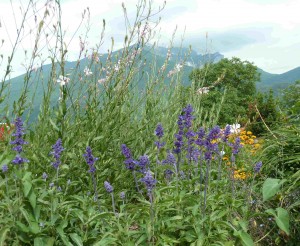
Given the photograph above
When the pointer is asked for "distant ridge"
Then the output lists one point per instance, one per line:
(277, 82)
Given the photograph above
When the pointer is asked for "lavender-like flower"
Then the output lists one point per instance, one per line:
(179, 136)
(44, 176)
(149, 181)
(257, 167)
(159, 131)
(122, 195)
(236, 146)
(130, 163)
(188, 117)
(110, 190)
(126, 151)
(108, 187)
(211, 142)
(18, 142)
(208, 155)
(168, 174)
(171, 159)
(214, 133)
(4, 168)
(200, 141)
(57, 149)
(19, 160)
(90, 159)
(226, 133)
(143, 163)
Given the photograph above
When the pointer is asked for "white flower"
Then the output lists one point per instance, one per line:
(178, 67)
(87, 71)
(235, 128)
(222, 153)
(62, 80)
(203, 90)
(102, 81)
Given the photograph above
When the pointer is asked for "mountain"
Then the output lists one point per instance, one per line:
(277, 82)
(155, 58)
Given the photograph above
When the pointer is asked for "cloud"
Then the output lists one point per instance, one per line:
(267, 28)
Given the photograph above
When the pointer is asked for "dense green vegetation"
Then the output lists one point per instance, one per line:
(111, 161)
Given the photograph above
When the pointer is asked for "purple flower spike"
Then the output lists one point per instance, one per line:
(57, 149)
(171, 159)
(45, 176)
(200, 138)
(236, 146)
(122, 195)
(143, 162)
(149, 181)
(159, 131)
(18, 142)
(126, 151)
(90, 159)
(19, 160)
(226, 133)
(188, 117)
(4, 168)
(108, 187)
(130, 163)
(257, 167)
(168, 174)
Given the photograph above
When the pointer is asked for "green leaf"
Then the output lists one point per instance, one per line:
(98, 138)
(246, 238)
(270, 188)
(54, 125)
(36, 212)
(167, 239)
(3, 233)
(22, 227)
(281, 218)
(32, 199)
(45, 241)
(77, 239)
(177, 217)
(63, 237)
(104, 214)
(26, 187)
(34, 227)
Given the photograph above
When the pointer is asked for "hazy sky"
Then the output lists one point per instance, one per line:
(266, 32)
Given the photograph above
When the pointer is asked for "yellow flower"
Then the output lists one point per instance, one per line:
(256, 146)
(251, 141)
(249, 133)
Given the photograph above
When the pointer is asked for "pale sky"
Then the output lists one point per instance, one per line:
(266, 32)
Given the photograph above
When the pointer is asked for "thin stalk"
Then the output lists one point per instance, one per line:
(151, 214)
(113, 203)
(96, 192)
(157, 162)
(220, 164)
(206, 184)
(136, 183)
(232, 175)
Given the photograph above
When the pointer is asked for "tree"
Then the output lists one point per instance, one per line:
(237, 77)
(291, 101)
(263, 108)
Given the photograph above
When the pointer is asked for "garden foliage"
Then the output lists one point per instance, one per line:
(110, 163)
